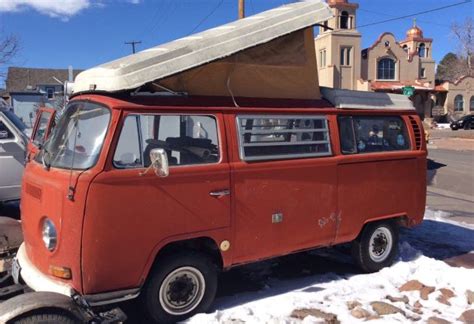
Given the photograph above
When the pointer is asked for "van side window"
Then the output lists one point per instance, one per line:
(361, 134)
(5, 132)
(187, 140)
(282, 137)
(128, 154)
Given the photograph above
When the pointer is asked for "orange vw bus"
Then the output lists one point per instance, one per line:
(144, 191)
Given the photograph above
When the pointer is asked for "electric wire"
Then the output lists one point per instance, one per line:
(415, 14)
(207, 16)
(417, 20)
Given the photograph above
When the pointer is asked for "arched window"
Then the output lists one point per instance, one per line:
(386, 69)
(458, 103)
(471, 104)
(422, 50)
(344, 20)
(405, 48)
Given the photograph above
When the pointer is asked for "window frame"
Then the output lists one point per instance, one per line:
(52, 89)
(344, 17)
(462, 103)
(422, 73)
(394, 68)
(357, 152)
(345, 53)
(264, 158)
(422, 50)
(322, 58)
(471, 103)
(140, 138)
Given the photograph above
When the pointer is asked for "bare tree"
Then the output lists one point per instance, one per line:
(9, 47)
(464, 34)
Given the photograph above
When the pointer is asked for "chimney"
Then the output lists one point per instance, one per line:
(71, 74)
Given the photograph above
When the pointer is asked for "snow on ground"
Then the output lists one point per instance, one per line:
(268, 292)
(443, 125)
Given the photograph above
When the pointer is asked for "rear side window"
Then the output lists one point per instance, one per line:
(282, 137)
(366, 134)
(187, 140)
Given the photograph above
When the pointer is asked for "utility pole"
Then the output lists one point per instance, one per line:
(133, 43)
(241, 9)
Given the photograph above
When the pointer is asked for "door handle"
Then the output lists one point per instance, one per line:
(220, 193)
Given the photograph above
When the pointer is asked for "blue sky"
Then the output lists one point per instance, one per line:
(85, 33)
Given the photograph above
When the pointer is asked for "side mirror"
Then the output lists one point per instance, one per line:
(159, 162)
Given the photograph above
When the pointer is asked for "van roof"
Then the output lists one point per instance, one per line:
(165, 60)
(351, 99)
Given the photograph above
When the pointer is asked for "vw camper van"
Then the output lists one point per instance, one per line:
(168, 167)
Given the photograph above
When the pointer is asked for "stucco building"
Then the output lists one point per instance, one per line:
(387, 65)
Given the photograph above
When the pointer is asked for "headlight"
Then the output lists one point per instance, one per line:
(50, 235)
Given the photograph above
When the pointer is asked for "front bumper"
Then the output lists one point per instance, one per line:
(37, 280)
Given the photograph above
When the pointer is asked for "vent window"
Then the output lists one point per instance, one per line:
(282, 137)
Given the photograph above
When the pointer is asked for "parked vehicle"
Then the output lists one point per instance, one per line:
(465, 122)
(13, 143)
(145, 192)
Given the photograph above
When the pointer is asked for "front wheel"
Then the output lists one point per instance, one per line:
(376, 246)
(46, 318)
(467, 126)
(179, 287)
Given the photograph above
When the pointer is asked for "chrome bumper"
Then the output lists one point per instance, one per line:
(37, 280)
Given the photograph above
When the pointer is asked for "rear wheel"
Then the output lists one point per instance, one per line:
(376, 246)
(179, 287)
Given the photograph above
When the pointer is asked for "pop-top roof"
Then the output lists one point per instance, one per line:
(350, 99)
(165, 60)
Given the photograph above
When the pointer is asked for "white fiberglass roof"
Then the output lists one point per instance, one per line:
(159, 62)
(351, 99)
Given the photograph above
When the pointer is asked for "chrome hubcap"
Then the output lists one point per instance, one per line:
(380, 244)
(182, 290)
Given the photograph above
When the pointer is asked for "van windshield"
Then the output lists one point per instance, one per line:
(78, 137)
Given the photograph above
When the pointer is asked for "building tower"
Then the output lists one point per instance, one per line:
(416, 44)
(338, 47)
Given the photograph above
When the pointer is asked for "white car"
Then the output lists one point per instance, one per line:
(13, 145)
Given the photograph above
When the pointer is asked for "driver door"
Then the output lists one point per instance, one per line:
(44, 123)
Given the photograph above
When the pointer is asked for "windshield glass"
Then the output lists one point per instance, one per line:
(15, 120)
(78, 137)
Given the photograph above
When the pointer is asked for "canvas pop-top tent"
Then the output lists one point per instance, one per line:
(268, 55)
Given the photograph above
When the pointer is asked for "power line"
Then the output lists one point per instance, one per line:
(415, 14)
(418, 20)
(207, 17)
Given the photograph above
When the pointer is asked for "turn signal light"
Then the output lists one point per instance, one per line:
(60, 272)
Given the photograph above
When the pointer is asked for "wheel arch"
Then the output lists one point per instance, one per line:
(202, 244)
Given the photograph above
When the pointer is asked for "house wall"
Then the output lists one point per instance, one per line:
(405, 70)
(26, 105)
(464, 87)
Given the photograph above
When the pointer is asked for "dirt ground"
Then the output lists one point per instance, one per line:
(461, 140)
